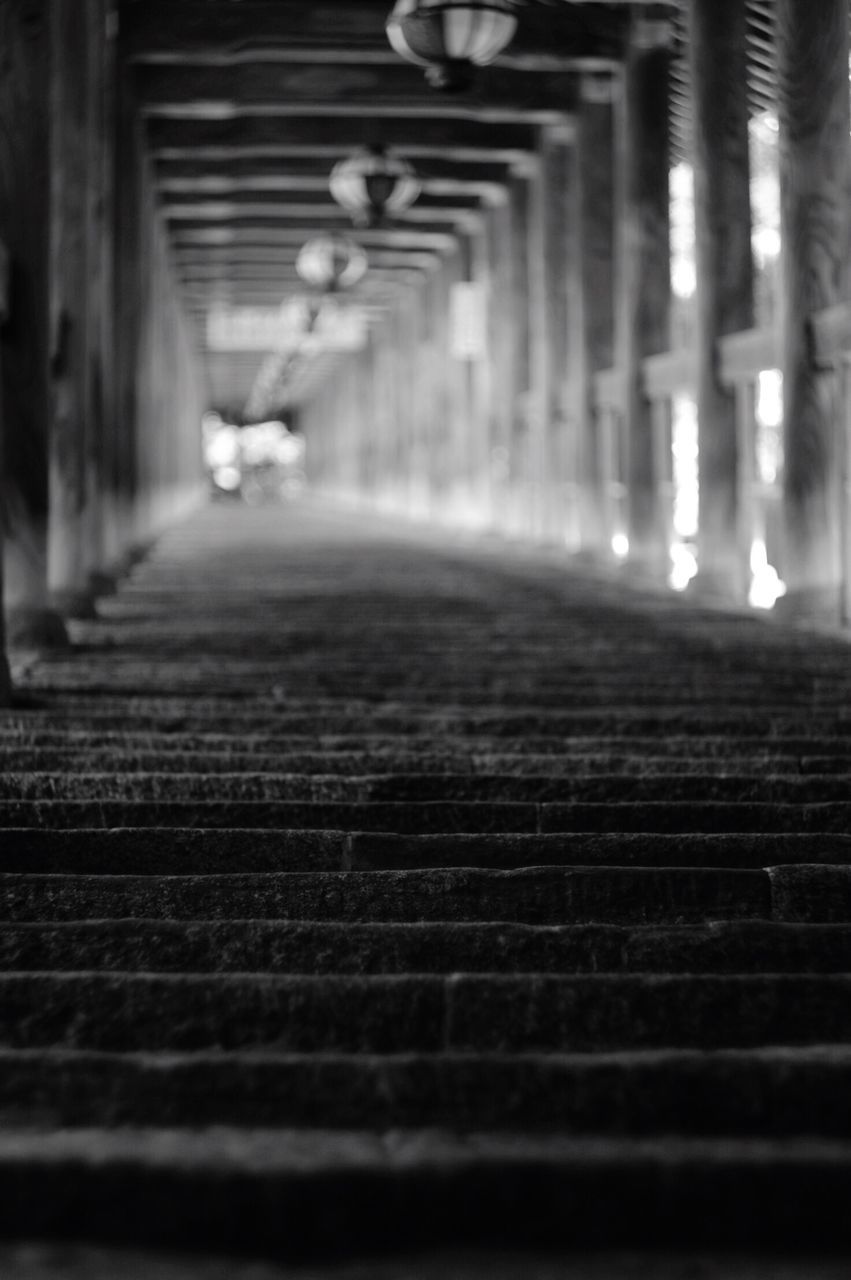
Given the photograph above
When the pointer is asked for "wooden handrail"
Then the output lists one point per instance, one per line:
(830, 334)
(744, 355)
(5, 283)
(670, 373)
(609, 389)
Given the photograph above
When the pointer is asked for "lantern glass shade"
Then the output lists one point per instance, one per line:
(373, 184)
(451, 37)
(331, 263)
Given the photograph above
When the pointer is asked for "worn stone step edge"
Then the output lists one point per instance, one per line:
(29, 1261)
(436, 817)
(121, 1012)
(538, 895)
(765, 1092)
(200, 851)
(311, 1194)
(254, 946)
(399, 788)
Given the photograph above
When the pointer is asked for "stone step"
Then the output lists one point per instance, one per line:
(171, 758)
(399, 788)
(185, 851)
(613, 719)
(548, 895)
(547, 1013)
(331, 1195)
(80, 1262)
(436, 817)
(292, 947)
(755, 1093)
(813, 754)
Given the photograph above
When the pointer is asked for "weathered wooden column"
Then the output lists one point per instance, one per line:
(593, 301)
(717, 62)
(815, 198)
(25, 228)
(540, 362)
(501, 345)
(5, 297)
(560, 425)
(479, 376)
(520, 467)
(644, 274)
(75, 49)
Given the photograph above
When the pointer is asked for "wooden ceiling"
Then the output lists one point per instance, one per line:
(249, 103)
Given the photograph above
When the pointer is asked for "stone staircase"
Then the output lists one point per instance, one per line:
(370, 896)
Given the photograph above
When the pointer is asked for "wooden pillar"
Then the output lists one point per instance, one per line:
(561, 265)
(75, 54)
(717, 62)
(520, 451)
(5, 681)
(502, 349)
(129, 286)
(644, 280)
(25, 228)
(812, 66)
(540, 364)
(481, 376)
(593, 301)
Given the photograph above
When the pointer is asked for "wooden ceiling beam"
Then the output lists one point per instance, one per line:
(169, 29)
(341, 134)
(311, 222)
(399, 86)
(284, 172)
(222, 259)
(243, 199)
(415, 238)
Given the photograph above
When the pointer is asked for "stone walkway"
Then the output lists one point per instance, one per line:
(364, 893)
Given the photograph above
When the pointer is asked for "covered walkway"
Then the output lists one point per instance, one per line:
(367, 892)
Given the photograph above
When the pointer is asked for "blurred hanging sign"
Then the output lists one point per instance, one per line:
(257, 328)
(284, 328)
(467, 321)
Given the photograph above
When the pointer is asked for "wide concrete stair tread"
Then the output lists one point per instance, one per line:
(395, 908)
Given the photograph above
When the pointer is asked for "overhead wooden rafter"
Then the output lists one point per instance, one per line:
(248, 103)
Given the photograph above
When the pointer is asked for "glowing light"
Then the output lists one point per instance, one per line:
(228, 478)
(766, 585)
(684, 447)
(683, 274)
(769, 426)
(683, 566)
(620, 545)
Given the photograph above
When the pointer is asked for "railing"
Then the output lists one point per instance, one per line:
(666, 376)
(830, 341)
(742, 358)
(609, 411)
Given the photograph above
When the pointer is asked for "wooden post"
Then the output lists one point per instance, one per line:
(25, 227)
(5, 280)
(75, 51)
(501, 345)
(725, 301)
(593, 301)
(561, 266)
(540, 364)
(644, 273)
(815, 196)
(520, 449)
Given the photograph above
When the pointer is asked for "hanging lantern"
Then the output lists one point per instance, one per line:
(331, 263)
(451, 37)
(373, 185)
